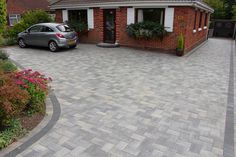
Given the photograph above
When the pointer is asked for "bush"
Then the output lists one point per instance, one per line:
(146, 30)
(11, 133)
(3, 55)
(78, 26)
(7, 66)
(13, 99)
(3, 15)
(37, 86)
(180, 45)
(28, 19)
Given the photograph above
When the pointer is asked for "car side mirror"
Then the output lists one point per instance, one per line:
(26, 31)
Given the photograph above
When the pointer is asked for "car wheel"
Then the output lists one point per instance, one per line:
(53, 46)
(21, 43)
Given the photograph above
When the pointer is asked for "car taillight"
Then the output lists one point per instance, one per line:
(60, 35)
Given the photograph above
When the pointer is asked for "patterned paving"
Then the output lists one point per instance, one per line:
(131, 103)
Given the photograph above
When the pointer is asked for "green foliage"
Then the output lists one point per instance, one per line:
(218, 6)
(146, 30)
(7, 66)
(224, 9)
(3, 55)
(37, 99)
(13, 99)
(3, 15)
(234, 12)
(28, 19)
(36, 85)
(5, 41)
(180, 45)
(78, 26)
(10, 134)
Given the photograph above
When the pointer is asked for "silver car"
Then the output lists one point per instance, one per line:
(51, 35)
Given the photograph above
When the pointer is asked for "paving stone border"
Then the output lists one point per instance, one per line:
(229, 121)
(53, 111)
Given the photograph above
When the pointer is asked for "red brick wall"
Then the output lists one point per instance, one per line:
(58, 16)
(194, 39)
(183, 23)
(95, 35)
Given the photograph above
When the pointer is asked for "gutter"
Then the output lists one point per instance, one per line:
(196, 4)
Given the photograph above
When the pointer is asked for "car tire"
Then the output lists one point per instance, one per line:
(22, 43)
(53, 47)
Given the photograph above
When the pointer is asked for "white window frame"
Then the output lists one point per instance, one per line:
(16, 17)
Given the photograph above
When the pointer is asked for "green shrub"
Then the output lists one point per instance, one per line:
(1, 40)
(13, 99)
(10, 134)
(180, 45)
(28, 19)
(78, 26)
(7, 66)
(36, 85)
(3, 15)
(3, 55)
(146, 30)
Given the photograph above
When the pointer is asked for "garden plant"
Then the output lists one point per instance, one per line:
(22, 94)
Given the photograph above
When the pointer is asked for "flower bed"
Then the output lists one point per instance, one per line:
(22, 95)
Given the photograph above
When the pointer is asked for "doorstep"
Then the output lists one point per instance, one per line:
(108, 45)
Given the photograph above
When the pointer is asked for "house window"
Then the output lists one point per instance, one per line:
(78, 16)
(206, 19)
(150, 14)
(195, 20)
(200, 21)
(13, 19)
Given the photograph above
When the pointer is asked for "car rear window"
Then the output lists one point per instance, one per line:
(64, 28)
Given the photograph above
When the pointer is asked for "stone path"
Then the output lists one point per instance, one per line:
(131, 103)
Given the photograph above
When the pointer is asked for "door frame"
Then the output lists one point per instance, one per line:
(104, 25)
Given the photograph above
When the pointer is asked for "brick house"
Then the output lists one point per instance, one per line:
(15, 8)
(187, 17)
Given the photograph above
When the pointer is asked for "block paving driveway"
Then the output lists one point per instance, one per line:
(131, 103)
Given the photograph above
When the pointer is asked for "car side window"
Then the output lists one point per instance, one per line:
(35, 29)
(47, 29)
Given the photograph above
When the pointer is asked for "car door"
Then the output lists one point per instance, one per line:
(33, 36)
(46, 35)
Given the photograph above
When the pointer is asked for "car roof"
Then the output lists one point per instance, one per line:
(49, 24)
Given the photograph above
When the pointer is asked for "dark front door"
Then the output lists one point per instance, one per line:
(109, 26)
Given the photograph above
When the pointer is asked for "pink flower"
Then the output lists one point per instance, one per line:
(19, 82)
(25, 86)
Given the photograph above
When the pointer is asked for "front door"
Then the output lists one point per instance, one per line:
(109, 26)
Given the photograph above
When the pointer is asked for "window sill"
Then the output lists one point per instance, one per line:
(199, 29)
(194, 31)
(205, 27)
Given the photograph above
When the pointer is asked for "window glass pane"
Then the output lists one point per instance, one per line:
(35, 29)
(78, 15)
(195, 20)
(64, 28)
(153, 15)
(13, 21)
(47, 29)
(200, 21)
(14, 18)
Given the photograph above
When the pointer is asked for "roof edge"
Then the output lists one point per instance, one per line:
(197, 4)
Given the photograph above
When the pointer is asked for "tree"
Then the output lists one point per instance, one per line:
(229, 9)
(3, 15)
(218, 6)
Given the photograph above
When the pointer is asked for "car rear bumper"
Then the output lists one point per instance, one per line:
(67, 42)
